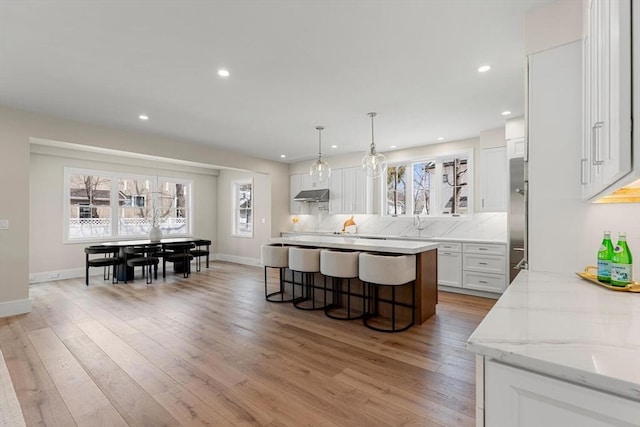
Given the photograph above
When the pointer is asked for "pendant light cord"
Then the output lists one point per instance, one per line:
(373, 145)
(320, 129)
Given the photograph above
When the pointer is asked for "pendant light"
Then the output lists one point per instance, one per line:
(374, 164)
(320, 170)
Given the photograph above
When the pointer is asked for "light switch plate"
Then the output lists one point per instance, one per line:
(4, 224)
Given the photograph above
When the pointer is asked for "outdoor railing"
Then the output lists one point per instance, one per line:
(102, 227)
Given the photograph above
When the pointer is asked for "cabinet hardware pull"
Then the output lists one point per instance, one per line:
(482, 263)
(482, 281)
(595, 143)
(583, 163)
(483, 249)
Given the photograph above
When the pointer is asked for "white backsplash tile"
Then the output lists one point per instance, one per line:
(484, 226)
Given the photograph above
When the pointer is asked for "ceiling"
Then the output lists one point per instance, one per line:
(293, 65)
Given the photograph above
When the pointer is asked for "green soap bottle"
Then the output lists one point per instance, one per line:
(605, 255)
(621, 262)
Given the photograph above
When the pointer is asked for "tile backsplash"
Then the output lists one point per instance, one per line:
(485, 225)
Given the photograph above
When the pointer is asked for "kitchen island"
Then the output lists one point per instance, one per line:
(426, 262)
(558, 350)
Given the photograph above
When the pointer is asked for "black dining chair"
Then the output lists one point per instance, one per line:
(179, 254)
(201, 250)
(143, 256)
(102, 256)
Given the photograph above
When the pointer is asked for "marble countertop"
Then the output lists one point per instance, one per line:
(568, 328)
(392, 237)
(358, 243)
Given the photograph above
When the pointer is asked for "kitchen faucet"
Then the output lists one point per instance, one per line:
(417, 224)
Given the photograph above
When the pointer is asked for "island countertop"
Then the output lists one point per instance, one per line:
(360, 244)
(568, 328)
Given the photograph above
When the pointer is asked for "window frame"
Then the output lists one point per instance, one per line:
(436, 189)
(235, 209)
(115, 207)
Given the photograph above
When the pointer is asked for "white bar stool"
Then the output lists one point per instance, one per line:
(339, 265)
(275, 256)
(307, 262)
(381, 270)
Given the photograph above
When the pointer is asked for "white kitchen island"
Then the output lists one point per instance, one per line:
(426, 262)
(556, 350)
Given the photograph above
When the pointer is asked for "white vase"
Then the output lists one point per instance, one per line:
(155, 235)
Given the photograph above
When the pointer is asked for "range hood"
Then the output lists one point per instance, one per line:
(319, 195)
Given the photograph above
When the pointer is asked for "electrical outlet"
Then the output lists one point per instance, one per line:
(54, 275)
(4, 224)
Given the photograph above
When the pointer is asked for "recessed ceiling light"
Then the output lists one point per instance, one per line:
(223, 73)
(334, 146)
(484, 68)
(283, 156)
(392, 146)
(143, 117)
(506, 113)
(440, 138)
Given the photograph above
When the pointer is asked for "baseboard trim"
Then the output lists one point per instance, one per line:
(75, 273)
(473, 292)
(13, 308)
(238, 259)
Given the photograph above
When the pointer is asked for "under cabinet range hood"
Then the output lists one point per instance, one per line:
(319, 195)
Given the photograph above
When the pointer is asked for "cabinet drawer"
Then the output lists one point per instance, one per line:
(449, 247)
(484, 281)
(484, 263)
(484, 248)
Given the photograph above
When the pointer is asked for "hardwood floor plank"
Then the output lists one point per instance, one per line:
(85, 400)
(209, 350)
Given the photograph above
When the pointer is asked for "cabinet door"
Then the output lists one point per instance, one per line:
(336, 194)
(449, 268)
(607, 149)
(493, 179)
(518, 398)
(354, 191)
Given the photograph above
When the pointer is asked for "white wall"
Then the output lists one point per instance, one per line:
(48, 253)
(244, 250)
(18, 128)
(564, 231)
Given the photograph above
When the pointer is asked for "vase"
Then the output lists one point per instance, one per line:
(155, 235)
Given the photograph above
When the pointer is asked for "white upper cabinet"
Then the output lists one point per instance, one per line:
(607, 143)
(493, 179)
(348, 191)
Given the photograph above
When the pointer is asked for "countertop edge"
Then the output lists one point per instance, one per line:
(393, 237)
(567, 373)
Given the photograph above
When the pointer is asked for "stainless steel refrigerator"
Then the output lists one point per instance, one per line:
(517, 215)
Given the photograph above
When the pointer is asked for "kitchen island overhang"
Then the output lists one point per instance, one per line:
(426, 261)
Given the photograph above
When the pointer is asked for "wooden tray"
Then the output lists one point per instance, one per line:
(588, 275)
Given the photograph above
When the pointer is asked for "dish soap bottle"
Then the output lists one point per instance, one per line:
(621, 262)
(605, 254)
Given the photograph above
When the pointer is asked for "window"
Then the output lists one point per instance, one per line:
(415, 189)
(89, 200)
(242, 193)
(107, 204)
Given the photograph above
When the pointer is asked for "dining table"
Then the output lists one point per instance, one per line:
(124, 271)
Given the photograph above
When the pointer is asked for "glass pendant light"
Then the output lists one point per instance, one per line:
(320, 170)
(374, 164)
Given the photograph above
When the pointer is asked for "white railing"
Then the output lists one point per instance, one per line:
(101, 227)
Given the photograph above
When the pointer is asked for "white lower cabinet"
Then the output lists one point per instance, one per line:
(515, 397)
(484, 267)
(476, 266)
(450, 264)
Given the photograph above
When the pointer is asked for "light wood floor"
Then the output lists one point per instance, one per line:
(209, 350)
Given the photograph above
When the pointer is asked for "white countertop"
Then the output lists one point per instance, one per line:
(360, 244)
(566, 327)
